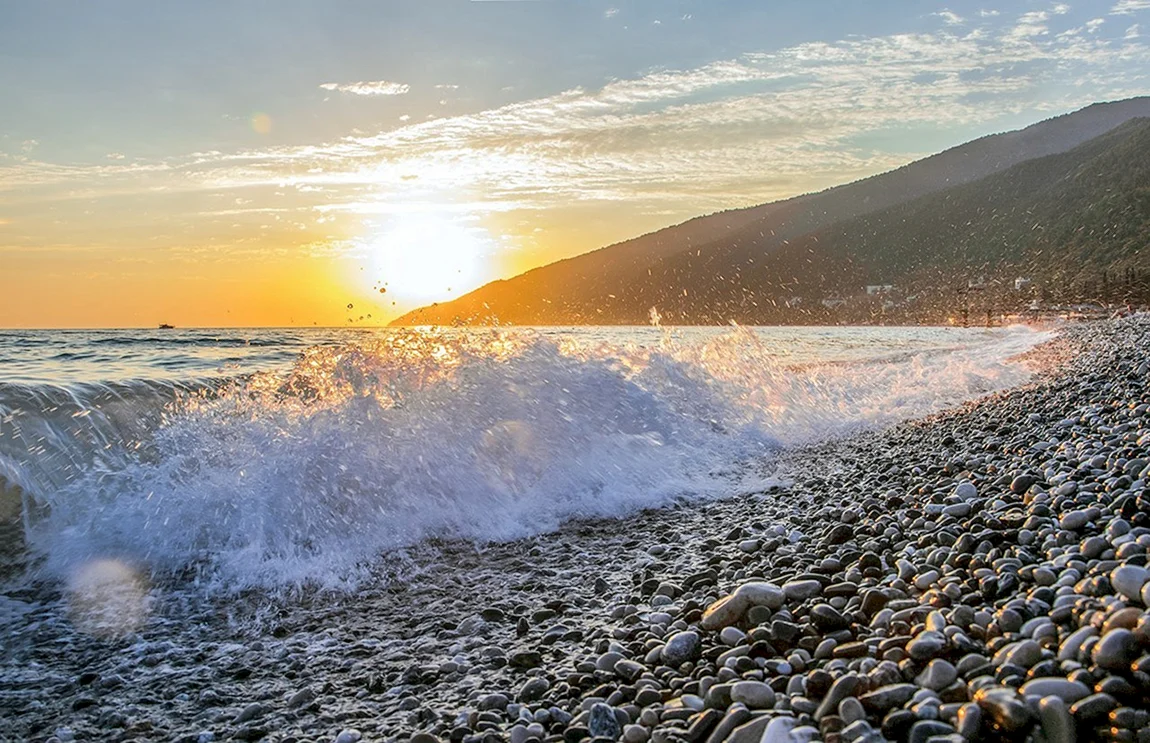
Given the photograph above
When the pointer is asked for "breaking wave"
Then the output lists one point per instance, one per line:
(306, 476)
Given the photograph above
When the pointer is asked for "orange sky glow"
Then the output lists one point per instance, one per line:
(209, 165)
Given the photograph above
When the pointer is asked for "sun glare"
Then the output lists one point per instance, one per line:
(428, 256)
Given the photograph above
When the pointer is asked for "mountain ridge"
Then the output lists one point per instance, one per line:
(587, 288)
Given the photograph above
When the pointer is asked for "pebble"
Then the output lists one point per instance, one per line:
(603, 723)
(682, 647)
(533, 689)
(1065, 689)
(966, 490)
(779, 730)
(801, 590)
(1115, 650)
(924, 730)
(969, 720)
(938, 675)
(1074, 520)
(629, 669)
(301, 698)
(1004, 707)
(1129, 580)
(826, 618)
(1057, 723)
(926, 645)
(754, 694)
(842, 688)
(251, 712)
(1072, 645)
(888, 697)
(1093, 707)
(729, 610)
(996, 556)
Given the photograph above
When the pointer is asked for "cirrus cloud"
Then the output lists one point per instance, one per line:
(1127, 7)
(376, 87)
(753, 127)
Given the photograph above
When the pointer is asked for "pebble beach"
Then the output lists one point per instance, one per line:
(978, 575)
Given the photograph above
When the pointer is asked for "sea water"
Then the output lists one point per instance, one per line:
(287, 458)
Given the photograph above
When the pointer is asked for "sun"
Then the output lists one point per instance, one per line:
(427, 256)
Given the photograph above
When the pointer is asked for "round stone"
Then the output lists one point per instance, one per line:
(926, 645)
(801, 590)
(682, 647)
(1071, 646)
(635, 734)
(1129, 580)
(1004, 706)
(1057, 724)
(1024, 653)
(1074, 520)
(938, 675)
(629, 669)
(754, 694)
(826, 618)
(602, 722)
(1093, 707)
(1053, 686)
(1115, 650)
(534, 689)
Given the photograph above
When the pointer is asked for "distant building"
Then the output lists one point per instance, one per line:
(876, 289)
(1022, 284)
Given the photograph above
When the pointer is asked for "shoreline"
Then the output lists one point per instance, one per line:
(554, 626)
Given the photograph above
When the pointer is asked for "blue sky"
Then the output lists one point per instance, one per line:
(164, 136)
(143, 77)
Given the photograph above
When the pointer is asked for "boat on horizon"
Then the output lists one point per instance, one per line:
(165, 326)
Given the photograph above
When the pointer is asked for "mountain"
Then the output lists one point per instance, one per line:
(1074, 226)
(748, 265)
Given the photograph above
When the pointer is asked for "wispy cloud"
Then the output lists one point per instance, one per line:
(760, 125)
(1126, 7)
(377, 87)
(949, 17)
(1131, 33)
(1029, 25)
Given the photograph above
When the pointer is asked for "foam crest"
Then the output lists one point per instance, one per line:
(284, 479)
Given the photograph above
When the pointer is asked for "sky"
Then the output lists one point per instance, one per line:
(280, 162)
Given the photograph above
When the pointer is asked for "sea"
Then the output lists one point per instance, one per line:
(285, 458)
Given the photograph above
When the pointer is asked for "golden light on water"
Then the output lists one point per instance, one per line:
(107, 599)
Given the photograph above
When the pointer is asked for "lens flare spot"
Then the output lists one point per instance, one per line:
(261, 123)
(107, 599)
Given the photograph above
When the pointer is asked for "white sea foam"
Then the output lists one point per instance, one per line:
(307, 476)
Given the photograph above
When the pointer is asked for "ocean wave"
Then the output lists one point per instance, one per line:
(305, 476)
